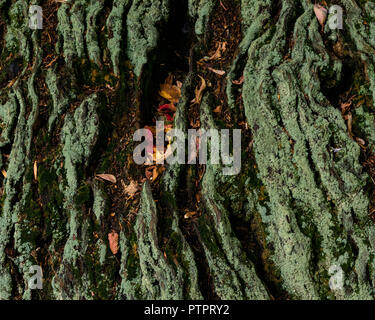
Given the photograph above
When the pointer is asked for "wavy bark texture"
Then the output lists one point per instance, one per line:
(73, 93)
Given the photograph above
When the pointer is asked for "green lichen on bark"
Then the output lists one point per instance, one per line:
(299, 205)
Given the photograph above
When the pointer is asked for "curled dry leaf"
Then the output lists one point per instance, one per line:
(113, 241)
(199, 92)
(217, 55)
(239, 81)
(321, 13)
(189, 214)
(107, 177)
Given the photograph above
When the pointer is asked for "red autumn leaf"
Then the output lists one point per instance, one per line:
(167, 107)
(169, 117)
(168, 110)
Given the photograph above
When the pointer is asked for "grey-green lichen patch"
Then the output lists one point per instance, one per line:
(79, 135)
(60, 101)
(77, 18)
(234, 275)
(16, 183)
(115, 23)
(93, 10)
(143, 22)
(100, 202)
(159, 279)
(8, 113)
(294, 135)
(201, 11)
(255, 15)
(309, 196)
(363, 36)
(78, 29)
(66, 41)
(16, 38)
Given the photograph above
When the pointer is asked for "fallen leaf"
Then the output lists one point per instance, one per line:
(218, 109)
(217, 55)
(345, 106)
(170, 92)
(198, 197)
(148, 172)
(167, 107)
(361, 141)
(107, 177)
(35, 170)
(4, 173)
(222, 5)
(113, 241)
(168, 110)
(219, 72)
(189, 214)
(132, 188)
(321, 13)
(199, 92)
(349, 118)
(169, 79)
(239, 81)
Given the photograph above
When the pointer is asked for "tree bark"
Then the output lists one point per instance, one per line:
(73, 93)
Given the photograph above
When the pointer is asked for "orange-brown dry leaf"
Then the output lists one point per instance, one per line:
(132, 188)
(345, 106)
(35, 170)
(113, 241)
(169, 79)
(218, 109)
(189, 214)
(217, 55)
(199, 92)
(148, 172)
(219, 72)
(170, 92)
(349, 118)
(198, 197)
(107, 177)
(4, 173)
(239, 81)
